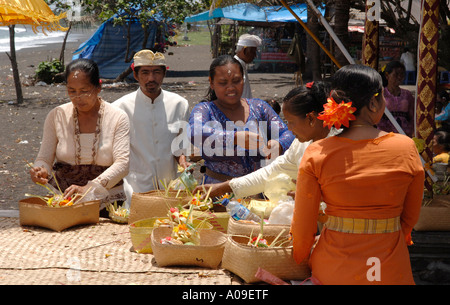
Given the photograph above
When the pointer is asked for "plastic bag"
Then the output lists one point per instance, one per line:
(96, 192)
(282, 213)
(277, 186)
(187, 179)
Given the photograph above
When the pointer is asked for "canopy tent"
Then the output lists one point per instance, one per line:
(32, 12)
(253, 13)
(108, 45)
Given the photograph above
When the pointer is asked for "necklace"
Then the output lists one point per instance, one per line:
(96, 134)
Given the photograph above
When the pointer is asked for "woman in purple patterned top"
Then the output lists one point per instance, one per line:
(235, 136)
(399, 102)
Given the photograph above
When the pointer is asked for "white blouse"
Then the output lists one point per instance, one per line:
(288, 163)
(59, 143)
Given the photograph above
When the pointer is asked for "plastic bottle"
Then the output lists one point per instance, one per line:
(239, 212)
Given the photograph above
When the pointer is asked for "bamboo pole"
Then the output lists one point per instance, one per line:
(311, 34)
(331, 32)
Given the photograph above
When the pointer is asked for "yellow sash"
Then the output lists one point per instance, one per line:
(363, 226)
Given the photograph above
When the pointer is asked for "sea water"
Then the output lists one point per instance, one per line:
(25, 38)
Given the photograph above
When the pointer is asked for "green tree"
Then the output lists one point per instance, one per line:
(168, 11)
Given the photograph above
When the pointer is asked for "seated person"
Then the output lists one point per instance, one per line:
(84, 140)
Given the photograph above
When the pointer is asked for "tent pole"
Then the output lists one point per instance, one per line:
(331, 32)
(311, 34)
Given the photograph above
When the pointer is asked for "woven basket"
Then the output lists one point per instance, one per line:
(153, 204)
(141, 233)
(435, 216)
(35, 212)
(208, 254)
(244, 261)
(219, 220)
(246, 228)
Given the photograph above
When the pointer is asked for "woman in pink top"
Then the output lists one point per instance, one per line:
(399, 102)
(84, 140)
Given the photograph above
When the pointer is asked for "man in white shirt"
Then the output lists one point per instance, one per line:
(155, 116)
(407, 59)
(245, 54)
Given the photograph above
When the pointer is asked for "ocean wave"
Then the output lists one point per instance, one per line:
(26, 38)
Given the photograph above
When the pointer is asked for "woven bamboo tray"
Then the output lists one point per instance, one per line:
(141, 233)
(153, 204)
(208, 254)
(435, 216)
(244, 261)
(246, 228)
(218, 217)
(35, 212)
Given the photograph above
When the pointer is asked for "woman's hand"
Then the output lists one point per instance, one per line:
(248, 140)
(273, 149)
(183, 162)
(39, 175)
(217, 189)
(75, 189)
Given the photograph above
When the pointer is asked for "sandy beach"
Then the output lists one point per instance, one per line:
(22, 125)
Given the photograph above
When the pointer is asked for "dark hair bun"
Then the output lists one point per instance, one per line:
(87, 66)
(302, 100)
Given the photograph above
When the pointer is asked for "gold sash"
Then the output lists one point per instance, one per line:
(363, 226)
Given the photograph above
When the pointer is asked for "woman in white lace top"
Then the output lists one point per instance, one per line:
(84, 140)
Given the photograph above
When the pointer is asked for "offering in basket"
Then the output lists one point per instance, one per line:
(201, 204)
(117, 214)
(57, 200)
(183, 230)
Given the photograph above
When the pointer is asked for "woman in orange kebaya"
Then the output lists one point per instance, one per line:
(372, 182)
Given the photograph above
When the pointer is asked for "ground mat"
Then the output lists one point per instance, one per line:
(89, 254)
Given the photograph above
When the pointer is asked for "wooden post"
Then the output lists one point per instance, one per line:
(427, 79)
(371, 46)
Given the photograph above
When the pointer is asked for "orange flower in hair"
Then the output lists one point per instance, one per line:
(336, 115)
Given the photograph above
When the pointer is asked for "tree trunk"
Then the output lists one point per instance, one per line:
(63, 48)
(312, 48)
(341, 17)
(128, 58)
(15, 69)
(123, 75)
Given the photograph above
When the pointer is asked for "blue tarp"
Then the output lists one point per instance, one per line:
(254, 13)
(107, 46)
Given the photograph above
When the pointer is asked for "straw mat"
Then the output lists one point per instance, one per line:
(89, 254)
